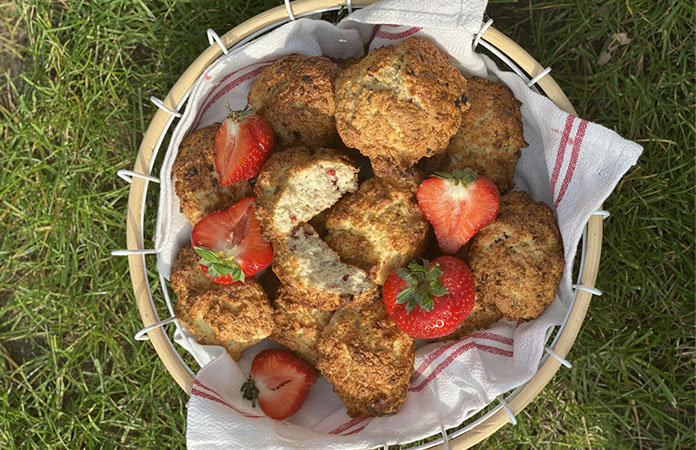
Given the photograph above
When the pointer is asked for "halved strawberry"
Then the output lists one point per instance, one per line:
(457, 205)
(280, 381)
(242, 146)
(431, 299)
(230, 243)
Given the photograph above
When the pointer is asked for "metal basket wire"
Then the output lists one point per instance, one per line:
(489, 38)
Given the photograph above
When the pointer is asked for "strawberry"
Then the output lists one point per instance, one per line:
(242, 145)
(457, 205)
(280, 381)
(430, 300)
(230, 243)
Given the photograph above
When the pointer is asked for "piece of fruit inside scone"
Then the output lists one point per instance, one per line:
(367, 359)
(490, 137)
(399, 104)
(295, 95)
(304, 263)
(431, 298)
(297, 184)
(378, 228)
(230, 243)
(457, 205)
(517, 260)
(235, 316)
(196, 181)
(298, 326)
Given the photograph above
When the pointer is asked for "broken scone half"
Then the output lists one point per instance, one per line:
(297, 184)
(304, 263)
(378, 228)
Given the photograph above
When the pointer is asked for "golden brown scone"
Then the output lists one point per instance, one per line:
(517, 260)
(297, 184)
(307, 267)
(298, 326)
(196, 180)
(368, 360)
(490, 136)
(378, 228)
(296, 97)
(235, 316)
(399, 104)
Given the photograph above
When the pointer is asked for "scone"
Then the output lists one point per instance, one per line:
(295, 95)
(368, 360)
(306, 265)
(196, 181)
(400, 104)
(378, 228)
(517, 260)
(490, 136)
(297, 184)
(298, 326)
(235, 316)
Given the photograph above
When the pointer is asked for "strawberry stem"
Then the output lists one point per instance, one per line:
(239, 115)
(250, 391)
(423, 285)
(458, 176)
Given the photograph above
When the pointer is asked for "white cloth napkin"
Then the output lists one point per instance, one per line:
(570, 164)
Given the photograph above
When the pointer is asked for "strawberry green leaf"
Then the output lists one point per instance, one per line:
(208, 256)
(405, 295)
(458, 176)
(427, 303)
(423, 285)
(212, 272)
(250, 391)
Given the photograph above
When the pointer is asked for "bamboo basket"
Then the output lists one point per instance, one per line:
(507, 51)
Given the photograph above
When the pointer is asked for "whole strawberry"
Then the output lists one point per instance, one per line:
(230, 243)
(280, 381)
(430, 300)
(242, 145)
(457, 205)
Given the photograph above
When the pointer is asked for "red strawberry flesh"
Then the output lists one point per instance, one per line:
(242, 146)
(283, 382)
(235, 237)
(457, 210)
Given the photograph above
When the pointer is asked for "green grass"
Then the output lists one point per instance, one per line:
(73, 108)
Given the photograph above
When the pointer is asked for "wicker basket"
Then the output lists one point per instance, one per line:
(507, 51)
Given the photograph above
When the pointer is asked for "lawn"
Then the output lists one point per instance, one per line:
(75, 81)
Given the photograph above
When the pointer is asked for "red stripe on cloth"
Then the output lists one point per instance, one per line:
(374, 32)
(212, 91)
(198, 383)
(205, 395)
(226, 88)
(579, 135)
(437, 353)
(403, 34)
(430, 358)
(357, 430)
(560, 153)
(493, 337)
(347, 425)
(463, 349)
